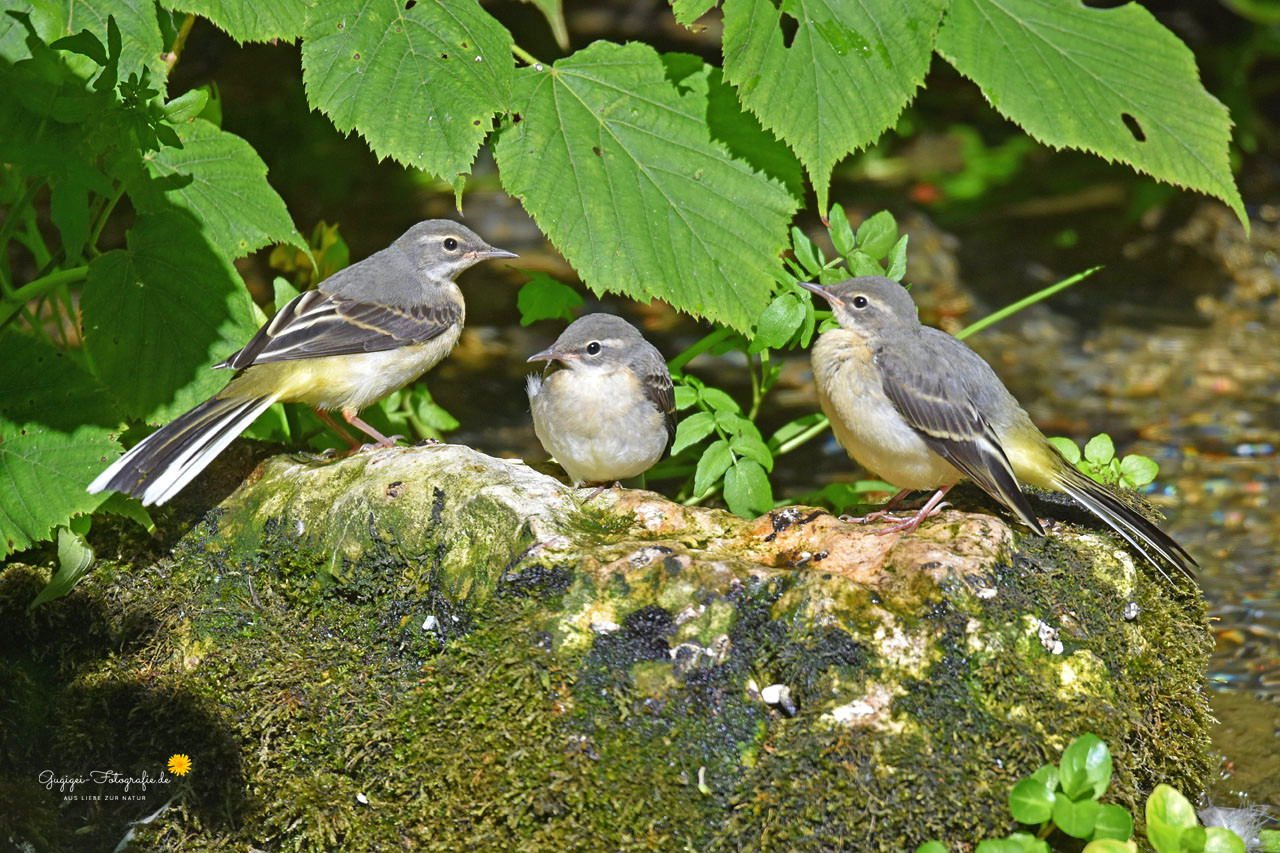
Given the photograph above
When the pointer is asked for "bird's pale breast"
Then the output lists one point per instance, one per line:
(865, 421)
(598, 425)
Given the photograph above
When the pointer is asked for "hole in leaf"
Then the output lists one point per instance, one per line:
(476, 122)
(444, 56)
(788, 24)
(516, 118)
(597, 151)
(409, 4)
(1134, 128)
(355, 56)
(464, 45)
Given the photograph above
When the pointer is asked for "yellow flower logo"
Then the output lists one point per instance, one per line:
(179, 764)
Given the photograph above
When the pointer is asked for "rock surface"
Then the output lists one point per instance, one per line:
(429, 648)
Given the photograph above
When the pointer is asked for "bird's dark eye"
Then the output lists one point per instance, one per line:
(860, 302)
(593, 348)
(450, 244)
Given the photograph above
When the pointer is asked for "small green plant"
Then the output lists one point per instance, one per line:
(1063, 799)
(1100, 462)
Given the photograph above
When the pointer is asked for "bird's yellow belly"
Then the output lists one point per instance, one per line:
(867, 424)
(599, 428)
(342, 381)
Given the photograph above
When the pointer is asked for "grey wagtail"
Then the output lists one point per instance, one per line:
(609, 413)
(922, 410)
(362, 333)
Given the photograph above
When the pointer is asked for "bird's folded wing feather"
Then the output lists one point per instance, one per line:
(659, 389)
(317, 324)
(939, 407)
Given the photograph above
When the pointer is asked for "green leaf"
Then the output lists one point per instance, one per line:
(139, 33)
(877, 234)
(1017, 842)
(1048, 775)
(421, 84)
(544, 298)
(778, 323)
(809, 255)
(1110, 845)
(56, 423)
(715, 460)
(719, 400)
(1068, 448)
(74, 559)
(1111, 81)
(898, 259)
(186, 106)
(1138, 470)
(261, 20)
(840, 230)
(1193, 839)
(1100, 450)
(748, 443)
(688, 11)
(1168, 814)
(1113, 822)
(130, 508)
(84, 43)
(685, 397)
(1221, 840)
(618, 168)
(932, 847)
(860, 263)
(1075, 817)
(553, 11)
(167, 308)
(1030, 801)
(282, 292)
(223, 182)
(1085, 768)
(692, 429)
(843, 80)
(746, 488)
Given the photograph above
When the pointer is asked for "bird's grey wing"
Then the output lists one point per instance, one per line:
(316, 324)
(936, 401)
(658, 388)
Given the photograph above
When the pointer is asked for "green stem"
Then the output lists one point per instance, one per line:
(694, 501)
(756, 395)
(816, 429)
(179, 41)
(1015, 307)
(11, 219)
(103, 217)
(707, 342)
(529, 58)
(17, 300)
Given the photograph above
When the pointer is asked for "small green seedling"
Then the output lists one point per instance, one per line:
(1100, 463)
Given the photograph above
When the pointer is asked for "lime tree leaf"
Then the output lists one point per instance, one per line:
(261, 20)
(140, 41)
(421, 84)
(688, 11)
(553, 11)
(1110, 81)
(222, 181)
(619, 170)
(843, 80)
(160, 313)
(56, 423)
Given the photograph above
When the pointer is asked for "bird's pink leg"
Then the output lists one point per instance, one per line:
(895, 502)
(337, 427)
(930, 508)
(350, 416)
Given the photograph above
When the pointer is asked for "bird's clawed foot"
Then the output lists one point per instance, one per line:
(599, 488)
(931, 508)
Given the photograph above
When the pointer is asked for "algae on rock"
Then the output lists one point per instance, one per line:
(431, 648)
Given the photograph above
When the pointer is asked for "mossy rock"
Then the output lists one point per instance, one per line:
(428, 648)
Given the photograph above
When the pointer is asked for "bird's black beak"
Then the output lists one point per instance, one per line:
(491, 254)
(821, 291)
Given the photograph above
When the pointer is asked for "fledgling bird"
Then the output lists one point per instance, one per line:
(365, 331)
(922, 410)
(609, 412)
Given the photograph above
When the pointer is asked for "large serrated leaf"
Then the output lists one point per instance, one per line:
(222, 181)
(140, 39)
(1110, 81)
(842, 81)
(420, 84)
(158, 315)
(55, 437)
(620, 171)
(261, 20)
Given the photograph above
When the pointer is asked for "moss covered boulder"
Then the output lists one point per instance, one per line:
(428, 648)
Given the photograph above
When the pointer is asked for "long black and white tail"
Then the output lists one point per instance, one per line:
(157, 467)
(1137, 531)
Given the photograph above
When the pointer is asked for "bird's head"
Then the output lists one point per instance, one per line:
(444, 249)
(869, 304)
(595, 342)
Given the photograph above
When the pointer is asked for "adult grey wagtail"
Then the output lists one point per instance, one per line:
(920, 409)
(609, 413)
(365, 331)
